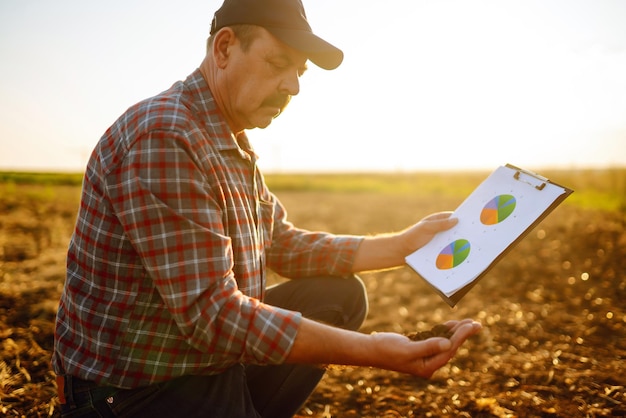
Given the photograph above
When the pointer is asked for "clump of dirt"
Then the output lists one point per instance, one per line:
(439, 330)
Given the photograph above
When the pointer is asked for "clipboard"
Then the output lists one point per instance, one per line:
(497, 215)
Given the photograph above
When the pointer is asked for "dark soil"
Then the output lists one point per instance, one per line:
(438, 330)
(553, 340)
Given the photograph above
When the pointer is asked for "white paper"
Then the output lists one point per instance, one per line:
(509, 207)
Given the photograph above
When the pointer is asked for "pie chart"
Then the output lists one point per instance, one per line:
(453, 254)
(498, 209)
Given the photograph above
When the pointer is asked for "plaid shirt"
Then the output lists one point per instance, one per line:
(166, 266)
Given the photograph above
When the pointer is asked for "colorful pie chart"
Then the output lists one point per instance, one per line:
(453, 254)
(498, 209)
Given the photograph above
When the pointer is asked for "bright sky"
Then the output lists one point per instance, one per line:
(425, 84)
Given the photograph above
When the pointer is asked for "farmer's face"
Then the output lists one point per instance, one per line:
(260, 81)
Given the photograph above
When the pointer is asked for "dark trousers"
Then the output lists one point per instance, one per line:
(243, 390)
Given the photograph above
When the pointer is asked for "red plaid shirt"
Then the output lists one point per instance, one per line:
(166, 266)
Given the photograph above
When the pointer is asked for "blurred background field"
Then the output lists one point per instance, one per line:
(603, 188)
(553, 343)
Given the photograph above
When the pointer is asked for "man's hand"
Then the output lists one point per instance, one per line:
(322, 344)
(421, 233)
(389, 250)
(422, 358)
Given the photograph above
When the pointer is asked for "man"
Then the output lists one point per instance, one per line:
(165, 311)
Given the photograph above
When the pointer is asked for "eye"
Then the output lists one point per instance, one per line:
(278, 65)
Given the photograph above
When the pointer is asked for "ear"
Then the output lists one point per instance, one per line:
(222, 46)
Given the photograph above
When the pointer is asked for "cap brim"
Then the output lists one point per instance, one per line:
(317, 50)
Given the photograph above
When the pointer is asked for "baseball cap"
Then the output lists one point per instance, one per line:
(286, 20)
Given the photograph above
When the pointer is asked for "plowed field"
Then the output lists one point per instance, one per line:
(553, 310)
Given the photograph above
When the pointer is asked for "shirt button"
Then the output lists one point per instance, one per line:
(110, 399)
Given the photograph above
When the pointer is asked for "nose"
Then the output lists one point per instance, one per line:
(291, 84)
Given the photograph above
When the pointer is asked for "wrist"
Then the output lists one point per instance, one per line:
(380, 252)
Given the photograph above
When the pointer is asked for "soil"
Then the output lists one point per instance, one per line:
(553, 315)
(438, 330)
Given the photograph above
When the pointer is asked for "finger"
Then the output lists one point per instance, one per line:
(432, 347)
(436, 225)
(439, 215)
(463, 331)
(453, 325)
(441, 353)
(440, 219)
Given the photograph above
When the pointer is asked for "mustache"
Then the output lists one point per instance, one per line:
(279, 100)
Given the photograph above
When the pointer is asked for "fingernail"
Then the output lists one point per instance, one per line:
(445, 344)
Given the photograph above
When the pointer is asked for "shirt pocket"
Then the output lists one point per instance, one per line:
(266, 223)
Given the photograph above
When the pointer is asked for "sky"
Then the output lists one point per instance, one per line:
(425, 84)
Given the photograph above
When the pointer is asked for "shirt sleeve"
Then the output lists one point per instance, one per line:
(175, 223)
(299, 253)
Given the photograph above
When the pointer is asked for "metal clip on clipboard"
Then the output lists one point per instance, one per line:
(534, 179)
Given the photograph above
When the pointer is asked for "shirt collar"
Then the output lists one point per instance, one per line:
(207, 111)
